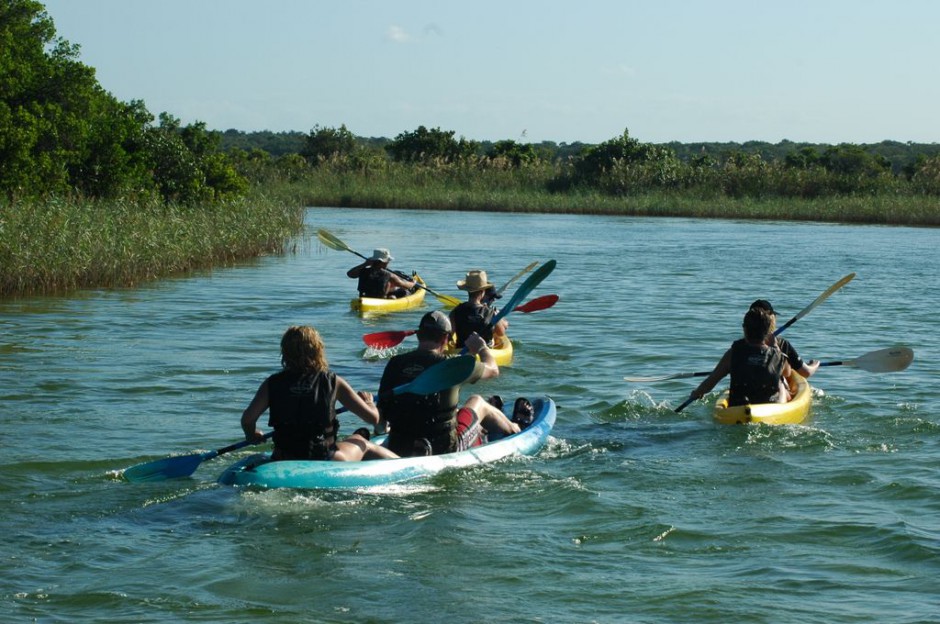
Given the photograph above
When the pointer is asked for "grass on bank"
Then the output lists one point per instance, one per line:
(63, 244)
(512, 191)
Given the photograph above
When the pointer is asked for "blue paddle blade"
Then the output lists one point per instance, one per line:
(166, 468)
(447, 374)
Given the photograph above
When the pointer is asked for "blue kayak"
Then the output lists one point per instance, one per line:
(257, 470)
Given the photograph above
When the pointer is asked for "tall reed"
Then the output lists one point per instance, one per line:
(62, 244)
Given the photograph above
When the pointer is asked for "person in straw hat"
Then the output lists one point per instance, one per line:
(376, 280)
(474, 315)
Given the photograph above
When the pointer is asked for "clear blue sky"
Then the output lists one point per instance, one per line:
(822, 71)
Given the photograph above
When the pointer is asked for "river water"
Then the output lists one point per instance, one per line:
(631, 513)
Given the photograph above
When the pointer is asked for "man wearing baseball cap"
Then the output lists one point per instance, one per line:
(436, 423)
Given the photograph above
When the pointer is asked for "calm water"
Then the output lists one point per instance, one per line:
(632, 513)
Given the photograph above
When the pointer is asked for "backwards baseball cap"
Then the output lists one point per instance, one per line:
(763, 304)
(435, 321)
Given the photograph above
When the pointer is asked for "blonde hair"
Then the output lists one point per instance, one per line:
(302, 349)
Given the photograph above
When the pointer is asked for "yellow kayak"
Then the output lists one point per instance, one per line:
(793, 412)
(374, 305)
(501, 350)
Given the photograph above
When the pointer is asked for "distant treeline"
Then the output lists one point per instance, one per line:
(901, 156)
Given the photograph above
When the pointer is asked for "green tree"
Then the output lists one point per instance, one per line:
(325, 143)
(515, 153)
(425, 145)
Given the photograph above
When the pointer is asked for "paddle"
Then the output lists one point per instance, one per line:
(180, 465)
(842, 282)
(825, 295)
(333, 242)
(446, 374)
(389, 339)
(888, 360)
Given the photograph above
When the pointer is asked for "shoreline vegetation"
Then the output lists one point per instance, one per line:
(96, 192)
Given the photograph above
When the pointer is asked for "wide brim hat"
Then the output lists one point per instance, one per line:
(381, 255)
(475, 281)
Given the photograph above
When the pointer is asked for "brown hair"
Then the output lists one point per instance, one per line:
(757, 324)
(302, 349)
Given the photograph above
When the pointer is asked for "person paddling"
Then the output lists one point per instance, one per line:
(302, 402)
(436, 423)
(475, 315)
(803, 368)
(759, 372)
(377, 281)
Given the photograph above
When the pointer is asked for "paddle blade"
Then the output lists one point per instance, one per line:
(890, 360)
(527, 286)
(441, 376)
(446, 300)
(513, 279)
(331, 241)
(539, 303)
(386, 339)
(167, 468)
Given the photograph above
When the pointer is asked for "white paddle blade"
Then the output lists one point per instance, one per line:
(890, 360)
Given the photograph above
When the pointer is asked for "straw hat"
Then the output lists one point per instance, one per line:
(475, 281)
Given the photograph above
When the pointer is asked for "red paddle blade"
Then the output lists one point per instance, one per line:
(386, 339)
(539, 303)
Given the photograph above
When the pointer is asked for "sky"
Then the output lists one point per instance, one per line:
(817, 71)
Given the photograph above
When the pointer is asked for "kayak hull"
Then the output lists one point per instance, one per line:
(793, 412)
(258, 471)
(374, 305)
(502, 350)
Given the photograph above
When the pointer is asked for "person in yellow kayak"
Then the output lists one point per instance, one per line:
(437, 423)
(475, 315)
(796, 363)
(302, 402)
(759, 372)
(377, 281)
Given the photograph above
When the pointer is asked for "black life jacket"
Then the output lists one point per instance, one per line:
(756, 372)
(302, 413)
(413, 416)
(373, 282)
(469, 317)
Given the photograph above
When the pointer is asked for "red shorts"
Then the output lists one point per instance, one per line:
(469, 429)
